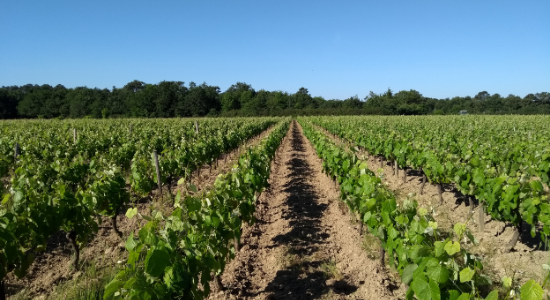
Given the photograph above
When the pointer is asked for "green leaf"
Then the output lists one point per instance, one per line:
(492, 296)
(464, 296)
(407, 275)
(434, 290)
(146, 234)
(345, 165)
(467, 274)
(536, 185)
(417, 252)
(131, 212)
(531, 291)
(506, 281)
(421, 288)
(452, 247)
(438, 273)
(112, 288)
(156, 261)
(453, 294)
(5, 199)
(439, 248)
(459, 228)
(367, 217)
(130, 242)
(193, 204)
(181, 181)
(424, 289)
(472, 238)
(18, 196)
(193, 188)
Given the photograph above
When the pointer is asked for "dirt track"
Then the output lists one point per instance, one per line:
(302, 245)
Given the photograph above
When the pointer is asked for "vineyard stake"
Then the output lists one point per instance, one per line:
(17, 150)
(440, 192)
(115, 227)
(71, 236)
(513, 241)
(2, 290)
(471, 201)
(423, 182)
(157, 167)
(74, 135)
(481, 217)
(396, 172)
(196, 127)
(360, 223)
(382, 255)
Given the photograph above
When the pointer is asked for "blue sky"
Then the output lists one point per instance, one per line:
(336, 49)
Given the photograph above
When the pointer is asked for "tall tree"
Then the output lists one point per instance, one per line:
(231, 98)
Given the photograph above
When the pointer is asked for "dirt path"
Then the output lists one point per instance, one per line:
(302, 246)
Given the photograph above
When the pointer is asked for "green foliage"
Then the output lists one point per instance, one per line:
(176, 254)
(61, 184)
(531, 291)
(435, 268)
(502, 162)
(173, 99)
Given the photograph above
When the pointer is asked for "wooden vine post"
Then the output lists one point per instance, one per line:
(115, 227)
(71, 236)
(481, 217)
(423, 182)
(157, 167)
(515, 237)
(74, 136)
(440, 192)
(471, 202)
(2, 290)
(196, 127)
(382, 255)
(17, 150)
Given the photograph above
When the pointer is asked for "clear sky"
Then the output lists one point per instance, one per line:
(336, 49)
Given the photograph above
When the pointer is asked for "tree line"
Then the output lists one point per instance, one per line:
(169, 99)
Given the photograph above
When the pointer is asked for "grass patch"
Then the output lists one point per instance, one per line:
(371, 245)
(290, 258)
(331, 270)
(89, 284)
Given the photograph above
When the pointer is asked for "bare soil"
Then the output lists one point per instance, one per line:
(303, 246)
(53, 266)
(526, 258)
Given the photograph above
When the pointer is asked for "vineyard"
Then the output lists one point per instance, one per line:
(271, 208)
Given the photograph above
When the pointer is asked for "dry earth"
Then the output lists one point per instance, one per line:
(303, 246)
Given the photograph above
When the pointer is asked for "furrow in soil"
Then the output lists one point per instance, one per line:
(303, 245)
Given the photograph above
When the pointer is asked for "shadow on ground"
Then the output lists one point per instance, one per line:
(305, 273)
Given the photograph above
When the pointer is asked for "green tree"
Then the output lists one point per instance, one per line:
(303, 99)
(8, 104)
(231, 98)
